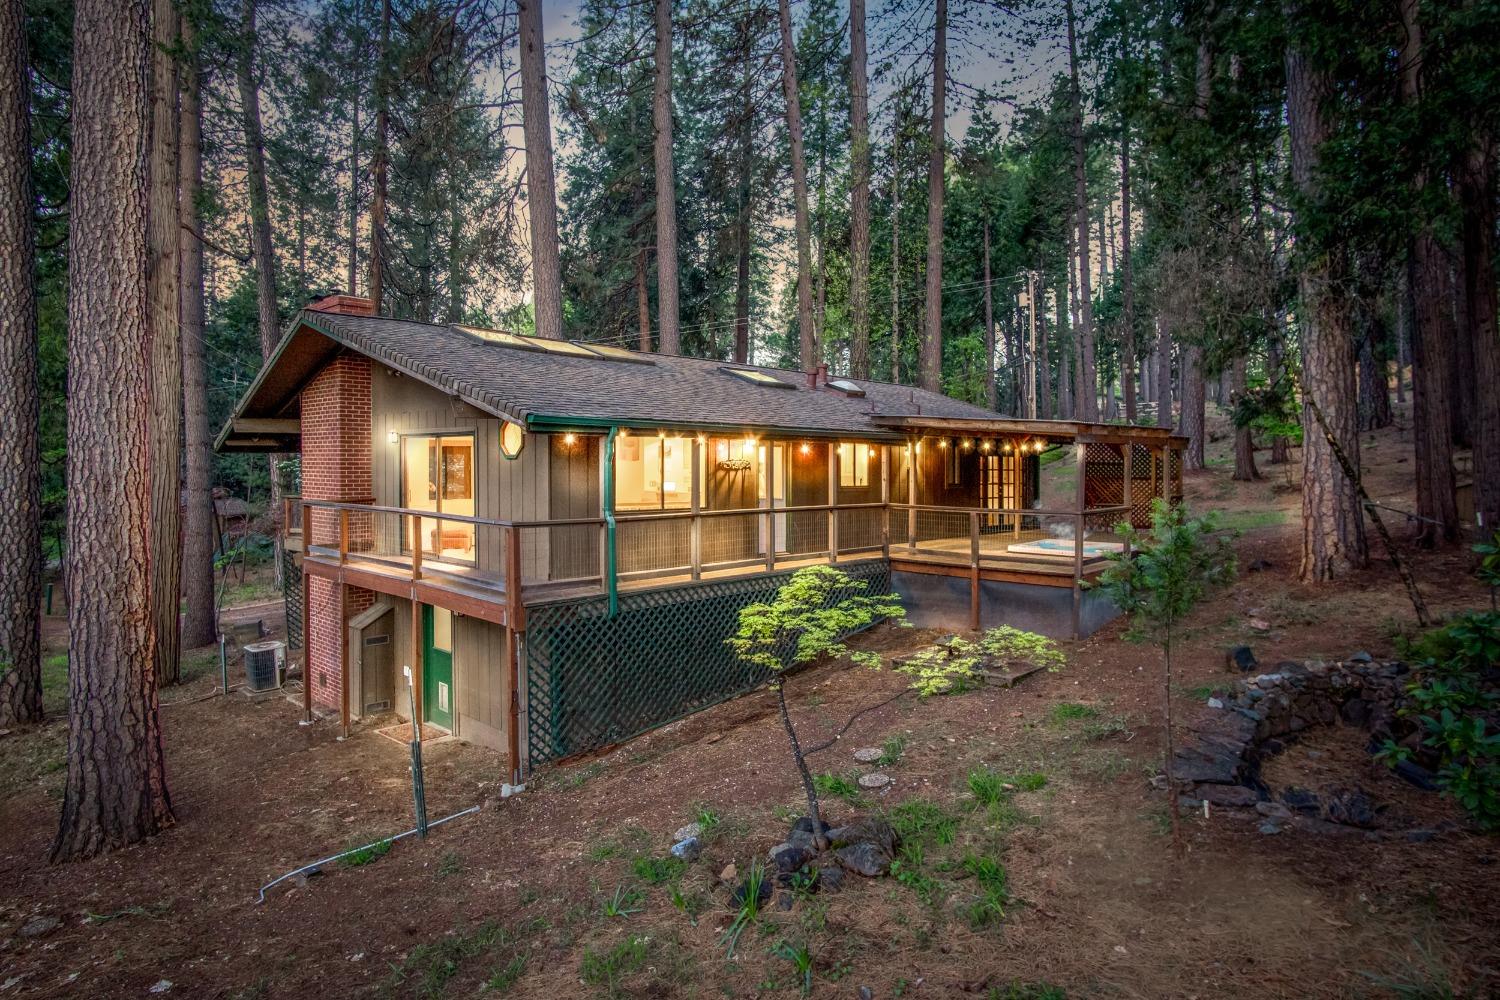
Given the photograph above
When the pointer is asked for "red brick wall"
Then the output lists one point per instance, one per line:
(336, 465)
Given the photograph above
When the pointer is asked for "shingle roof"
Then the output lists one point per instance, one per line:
(544, 388)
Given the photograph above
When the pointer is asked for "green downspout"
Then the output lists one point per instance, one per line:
(611, 580)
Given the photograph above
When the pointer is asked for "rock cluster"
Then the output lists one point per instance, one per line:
(1220, 760)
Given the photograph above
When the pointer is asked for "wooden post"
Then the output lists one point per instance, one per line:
(514, 610)
(885, 498)
(306, 638)
(974, 570)
(343, 536)
(344, 655)
(512, 702)
(833, 499)
(1078, 530)
(416, 661)
(695, 526)
(307, 532)
(416, 546)
(911, 496)
(1125, 493)
(770, 506)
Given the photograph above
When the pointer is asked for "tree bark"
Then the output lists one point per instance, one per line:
(1244, 440)
(351, 278)
(1374, 387)
(807, 341)
(896, 250)
(166, 348)
(198, 623)
(20, 448)
(1333, 530)
(116, 792)
(859, 198)
(930, 369)
(541, 189)
(668, 336)
(743, 244)
(1127, 280)
(1086, 396)
(1190, 420)
(989, 326)
(642, 299)
(380, 161)
(1163, 373)
(1432, 419)
(1477, 188)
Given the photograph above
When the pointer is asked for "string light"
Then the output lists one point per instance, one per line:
(806, 448)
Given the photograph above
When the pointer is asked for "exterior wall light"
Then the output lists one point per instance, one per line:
(570, 439)
(512, 439)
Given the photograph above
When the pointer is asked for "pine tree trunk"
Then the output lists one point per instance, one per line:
(859, 198)
(668, 335)
(1087, 384)
(1163, 373)
(198, 624)
(1190, 420)
(930, 369)
(743, 245)
(1432, 419)
(1374, 390)
(1403, 333)
(1127, 280)
(541, 189)
(807, 341)
(351, 278)
(642, 299)
(896, 252)
(1333, 530)
(166, 349)
(1477, 186)
(20, 449)
(989, 326)
(1066, 406)
(1244, 440)
(380, 161)
(116, 792)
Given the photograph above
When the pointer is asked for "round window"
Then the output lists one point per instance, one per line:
(512, 439)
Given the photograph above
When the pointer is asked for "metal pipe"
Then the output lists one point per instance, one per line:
(355, 850)
(611, 578)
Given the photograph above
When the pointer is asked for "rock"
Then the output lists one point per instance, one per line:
(1301, 799)
(868, 755)
(1208, 762)
(1351, 807)
(741, 891)
(865, 858)
(688, 849)
(1259, 565)
(788, 857)
(1242, 659)
(875, 779)
(38, 926)
(1215, 703)
(865, 993)
(692, 831)
(1274, 810)
(785, 901)
(729, 873)
(161, 986)
(1361, 657)
(870, 829)
(1259, 624)
(804, 824)
(1270, 826)
(1416, 774)
(1227, 796)
(830, 878)
(1420, 836)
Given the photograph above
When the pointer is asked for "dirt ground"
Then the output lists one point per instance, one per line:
(516, 899)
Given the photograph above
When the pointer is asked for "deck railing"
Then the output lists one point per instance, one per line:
(637, 546)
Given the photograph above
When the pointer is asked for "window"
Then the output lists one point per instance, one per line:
(758, 377)
(854, 464)
(952, 474)
(653, 473)
(437, 475)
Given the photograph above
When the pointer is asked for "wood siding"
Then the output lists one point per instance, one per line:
(480, 714)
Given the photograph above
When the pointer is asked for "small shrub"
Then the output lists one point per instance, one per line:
(748, 912)
(891, 750)
(801, 960)
(655, 871)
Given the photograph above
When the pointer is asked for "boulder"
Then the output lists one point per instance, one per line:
(865, 858)
(38, 926)
(1302, 800)
(870, 829)
(688, 849)
(691, 831)
(1351, 807)
(1241, 658)
(1227, 796)
(788, 857)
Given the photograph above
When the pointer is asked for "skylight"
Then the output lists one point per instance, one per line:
(758, 377)
(845, 386)
(496, 337)
(559, 347)
(619, 354)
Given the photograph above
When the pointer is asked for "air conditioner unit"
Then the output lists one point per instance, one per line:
(263, 665)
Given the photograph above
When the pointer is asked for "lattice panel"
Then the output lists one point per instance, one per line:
(291, 595)
(592, 680)
(1150, 474)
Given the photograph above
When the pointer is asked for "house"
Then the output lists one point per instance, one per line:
(556, 536)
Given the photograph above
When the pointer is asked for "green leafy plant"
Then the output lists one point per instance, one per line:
(625, 901)
(1168, 573)
(748, 911)
(956, 665)
(891, 751)
(808, 620)
(801, 960)
(1016, 647)
(1488, 570)
(836, 785)
(655, 871)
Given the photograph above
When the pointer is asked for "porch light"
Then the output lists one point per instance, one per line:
(943, 443)
(512, 439)
(806, 448)
(968, 444)
(570, 439)
(703, 439)
(1005, 447)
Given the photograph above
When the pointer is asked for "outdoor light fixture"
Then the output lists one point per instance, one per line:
(943, 443)
(806, 448)
(570, 439)
(968, 444)
(985, 446)
(512, 439)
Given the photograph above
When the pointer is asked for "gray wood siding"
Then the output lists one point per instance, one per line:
(503, 488)
(575, 492)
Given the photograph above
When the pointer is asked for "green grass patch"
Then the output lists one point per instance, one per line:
(1104, 727)
(55, 684)
(1250, 520)
(891, 751)
(987, 787)
(1017, 990)
(366, 855)
(988, 906)
(1031, 781)
(429, 968)
(921, 821)
(1070, 711)
(837, 785)
(657, 871)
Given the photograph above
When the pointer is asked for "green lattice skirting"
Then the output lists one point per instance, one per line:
(592, 680)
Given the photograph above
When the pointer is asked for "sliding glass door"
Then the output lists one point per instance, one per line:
(437, 475)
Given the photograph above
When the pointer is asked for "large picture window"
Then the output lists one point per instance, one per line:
(437, 475)
(653, 473)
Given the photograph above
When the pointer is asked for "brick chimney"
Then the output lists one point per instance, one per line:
(349, 305)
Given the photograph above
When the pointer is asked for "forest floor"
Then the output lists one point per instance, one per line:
(515, 899)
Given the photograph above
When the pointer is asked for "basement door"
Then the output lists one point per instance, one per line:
(437, 666)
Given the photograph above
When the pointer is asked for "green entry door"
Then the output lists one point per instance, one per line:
(437, 665)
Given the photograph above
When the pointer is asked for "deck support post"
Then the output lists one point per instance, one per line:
(833, 499)
(416, 547)
(1082, 451)
(974, 570)
(343, 536)
(695, 526)
(510, 674)
(1125, 498)
(911, 495)
(344, 651)
(770, 514)
(885, 498)
(306, 636)
(416, 663)
(515, 611)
